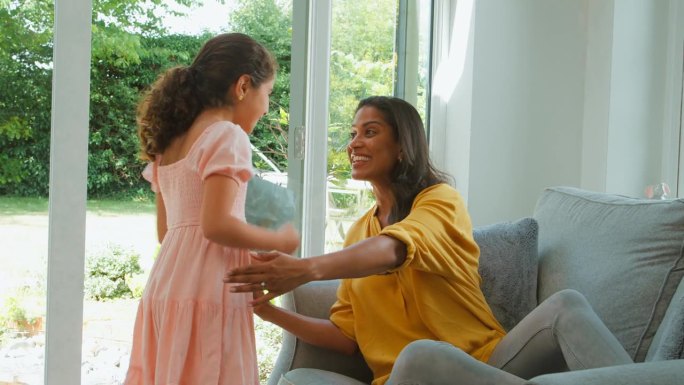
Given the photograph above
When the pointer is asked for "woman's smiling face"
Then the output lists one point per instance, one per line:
(374, 150)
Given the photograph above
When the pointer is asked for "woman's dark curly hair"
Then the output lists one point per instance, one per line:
(415, 171)
(170, 106)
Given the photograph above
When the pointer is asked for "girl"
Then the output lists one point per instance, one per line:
(193, 126)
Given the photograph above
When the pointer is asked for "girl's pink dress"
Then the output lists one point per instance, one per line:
(190, 329)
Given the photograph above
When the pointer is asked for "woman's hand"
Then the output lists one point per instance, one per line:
(275, 272)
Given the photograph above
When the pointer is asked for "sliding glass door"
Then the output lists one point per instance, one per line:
(332, 53)
(377, 48)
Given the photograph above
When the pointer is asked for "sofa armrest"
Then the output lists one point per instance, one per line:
(314, 300)
(668, 342)
(643, 373)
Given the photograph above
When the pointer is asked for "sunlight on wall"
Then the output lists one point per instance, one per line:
(449, 72)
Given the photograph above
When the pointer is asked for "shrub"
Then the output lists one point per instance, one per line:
(137, 284)
(108, 273)
(22, 314)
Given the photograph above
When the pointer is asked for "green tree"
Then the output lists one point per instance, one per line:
(117, 82)
(129, 50)
(270, 23)
(25, 91)
(362, 64)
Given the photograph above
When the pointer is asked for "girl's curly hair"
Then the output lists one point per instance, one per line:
(172, 103)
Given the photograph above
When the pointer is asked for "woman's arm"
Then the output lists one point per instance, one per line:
(314, 331)
(282, 273)
(221, 227)
(370, 256)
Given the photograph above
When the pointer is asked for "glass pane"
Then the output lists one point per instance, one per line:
(421, 79)
(364, 63)
(25, 102)
(121, 238)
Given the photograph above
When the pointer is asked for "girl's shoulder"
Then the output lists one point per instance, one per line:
(222, 129)
(222, 148)
(220, 136)
(213, 137)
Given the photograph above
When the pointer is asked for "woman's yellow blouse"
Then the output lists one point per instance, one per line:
(435, 294)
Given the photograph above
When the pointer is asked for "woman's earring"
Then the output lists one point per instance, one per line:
(241, 97)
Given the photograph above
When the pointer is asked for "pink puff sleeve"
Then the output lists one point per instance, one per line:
(223, 149)
(150, 174)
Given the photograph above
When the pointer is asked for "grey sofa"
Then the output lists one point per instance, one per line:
(623, 254)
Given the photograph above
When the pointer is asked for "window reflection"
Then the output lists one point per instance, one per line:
(377, 48)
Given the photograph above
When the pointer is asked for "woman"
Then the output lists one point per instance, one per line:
(414, 250)
(408, 258)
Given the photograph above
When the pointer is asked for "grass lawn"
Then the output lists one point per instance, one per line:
(28, 206)
(22, 206)
(120, 207)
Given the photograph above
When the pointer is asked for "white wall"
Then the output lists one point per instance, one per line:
(637, 96)
(673, 164)
(451, 103)
(559, 93)
(527, 104)
(597, 95)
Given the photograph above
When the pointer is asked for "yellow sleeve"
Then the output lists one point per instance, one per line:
(437, 233)
(341, 312)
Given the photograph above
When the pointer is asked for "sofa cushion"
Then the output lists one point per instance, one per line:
(314, 300)
(649, 373)
(307, 376)
(508, 266)
(624, 254)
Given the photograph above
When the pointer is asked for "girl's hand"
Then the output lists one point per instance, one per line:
(289, 238)
(275, 272)
(262, 309)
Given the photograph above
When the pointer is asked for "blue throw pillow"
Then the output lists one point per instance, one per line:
(508, 266)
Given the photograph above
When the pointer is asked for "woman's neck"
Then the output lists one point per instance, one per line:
(384, 201)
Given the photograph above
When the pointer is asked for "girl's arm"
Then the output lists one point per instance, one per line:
(161, 217)
(314, 331)
(282, 273)
(221, 227)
